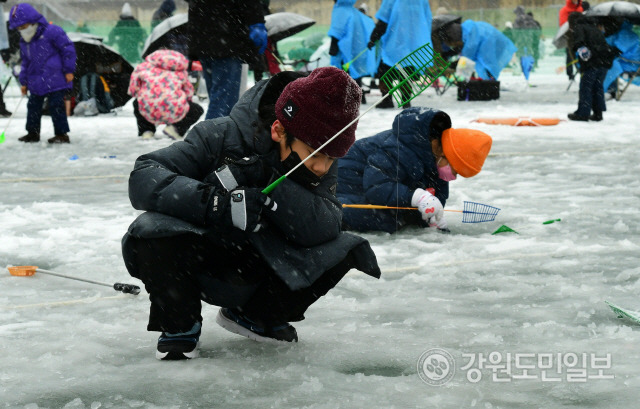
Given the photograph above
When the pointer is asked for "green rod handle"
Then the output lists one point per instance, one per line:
(273, 185)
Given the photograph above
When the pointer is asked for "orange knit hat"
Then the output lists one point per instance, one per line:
(466, 150)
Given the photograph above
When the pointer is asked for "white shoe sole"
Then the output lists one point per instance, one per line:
(236, 328)
(173, 135)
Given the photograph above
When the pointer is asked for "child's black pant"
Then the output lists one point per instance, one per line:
(180, 271)
(182, 126)
(56, 110)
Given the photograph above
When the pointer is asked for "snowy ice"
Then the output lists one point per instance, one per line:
(69, 344)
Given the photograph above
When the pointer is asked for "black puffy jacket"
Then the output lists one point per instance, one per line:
(173, 185)
(586, 34)
(220, 28)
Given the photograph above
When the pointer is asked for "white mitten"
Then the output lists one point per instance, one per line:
(428, 205)
(440, 224)
(584, 53)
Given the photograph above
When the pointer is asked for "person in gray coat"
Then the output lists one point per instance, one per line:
(210, 234)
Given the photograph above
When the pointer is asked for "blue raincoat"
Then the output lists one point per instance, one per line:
(627, 41)
(487, 47)
(386, 169)
(409, 28)
(352, 29)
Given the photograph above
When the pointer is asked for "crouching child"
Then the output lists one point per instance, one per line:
(163, 95)
(210, 234)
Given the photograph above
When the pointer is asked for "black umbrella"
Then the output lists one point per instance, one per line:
(283, 25)
(443, 20)
(560, 40)
(94, 56)
(170, 33)
(622, 9)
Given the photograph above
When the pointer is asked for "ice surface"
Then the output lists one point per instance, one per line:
(68, 344)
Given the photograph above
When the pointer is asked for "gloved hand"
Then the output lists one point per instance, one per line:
(440, 224)
(371, 44)
(334, 49)
(428, 205)
(251, 171)
(258, 34)
(584, 53)
(247, 205)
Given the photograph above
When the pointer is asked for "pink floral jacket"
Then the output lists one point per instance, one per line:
(162, 88)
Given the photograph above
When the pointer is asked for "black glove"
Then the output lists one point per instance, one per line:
(333, 48)
(377, 33)
(241, 208)
(246, 205)
(252, 171)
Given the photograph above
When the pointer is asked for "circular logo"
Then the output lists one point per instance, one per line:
(436, 367)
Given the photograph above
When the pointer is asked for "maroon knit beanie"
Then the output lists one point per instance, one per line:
(314, 108)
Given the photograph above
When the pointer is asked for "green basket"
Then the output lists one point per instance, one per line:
(414, 73)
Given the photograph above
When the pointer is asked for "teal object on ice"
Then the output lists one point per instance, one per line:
(551, 221)
(624, 313)
(504, 229)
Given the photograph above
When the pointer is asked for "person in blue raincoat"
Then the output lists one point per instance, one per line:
(47, 67)
(409, 165)
(628, 42)
(350, 30)
(403, 26)
(483, 44)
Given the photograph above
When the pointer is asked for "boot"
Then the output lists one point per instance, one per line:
(575, 117)
(63, 138)
(597, 116)
(4, 113)
(30, 137)
(388, 102)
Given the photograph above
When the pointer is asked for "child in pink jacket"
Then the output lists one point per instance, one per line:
(162, 92)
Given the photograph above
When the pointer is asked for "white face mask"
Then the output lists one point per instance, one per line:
(28, 33)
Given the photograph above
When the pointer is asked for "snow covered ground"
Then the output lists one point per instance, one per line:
(537, 295)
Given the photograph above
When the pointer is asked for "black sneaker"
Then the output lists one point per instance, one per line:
(179, 346)
(575, 117)
(597, 116)
(30, 137)
(234, 321)
(62, 138)
(4, 113)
